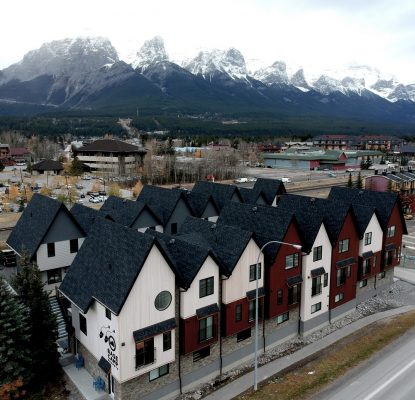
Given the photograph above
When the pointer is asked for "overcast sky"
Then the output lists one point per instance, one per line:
(315, 34)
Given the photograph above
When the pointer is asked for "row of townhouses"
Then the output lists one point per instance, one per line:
(161, 291)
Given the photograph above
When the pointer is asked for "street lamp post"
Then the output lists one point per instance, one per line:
(296, 246)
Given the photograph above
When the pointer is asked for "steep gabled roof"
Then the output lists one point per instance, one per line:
(266, 222)
(384, 202)
(199, 201)
(34, 224)
(186, 257)
(221, 193)
(334, 213)
(227, 242)
(85, 216)
(363, 216)
(269, 188)
(124, 211)
(162, 201)
(106, 266)
(48, 165)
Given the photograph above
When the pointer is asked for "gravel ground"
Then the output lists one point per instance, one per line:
(398, 294)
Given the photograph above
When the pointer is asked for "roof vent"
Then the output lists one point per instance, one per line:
(213, 226)
(171, 241)
(254, 209)
(361, 192)
(313, 199)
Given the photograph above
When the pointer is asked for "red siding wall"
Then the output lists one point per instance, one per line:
(377, 183)
(276, 274)
(189, 334)
(349, 287)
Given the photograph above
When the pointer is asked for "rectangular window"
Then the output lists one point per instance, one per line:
(368, 238)
(338, 297)
(51, 249)
(343, 245)
(251, 310)
(341, 276)
(158, 372)
(252, 272)
(316, 286)
(206, 329)
(326, 279)
(293, 295)
(388, 258)
(317, 253)
(144, 353)
(315, 307)
(366, 266)
(202, 353)
(238, 312)
(291, 261)
(108, 313)
(391, 231)
(279, 296)
(73, 245)
(173, 228)
(363, 283)
(282, 318)
(54, 276)
(82, 324)
(206, 287)
(166, 341)
(243, 335)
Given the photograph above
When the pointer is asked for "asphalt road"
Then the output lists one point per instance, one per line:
(389, 375)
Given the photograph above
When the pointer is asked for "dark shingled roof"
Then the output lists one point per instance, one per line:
(104, 365)
(34, 223)
(48, 165)
(222, 194)
(346, 262)
(124, 211)
(317, 272)
(206, 311)
(109, 146)
(162, 201)
(154, 330)
(363, 216)
(199, 201)
(251, 295)
(266, 222)
(368, 254)
(269, 188)
(382, 201)
(187, 258)
(294, 280)
(106, 266)
(85, 216)
(227, 242)
(334, 213)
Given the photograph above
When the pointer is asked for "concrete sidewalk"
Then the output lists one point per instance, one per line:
(245, 382)
(405, 274)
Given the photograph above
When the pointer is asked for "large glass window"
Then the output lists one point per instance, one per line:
(166, 341)
(293, 294)
(144, 352)
(368, 238)
(366, 266)
(391, 231)
(206, 287)
(316, 286)
(158, 372)
(54, 276)
(206, 329)
(315, 307)
(291, 261)
(341, 276)
(343, 245)
(162, 300)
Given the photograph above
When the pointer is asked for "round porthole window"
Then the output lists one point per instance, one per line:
(163, 300)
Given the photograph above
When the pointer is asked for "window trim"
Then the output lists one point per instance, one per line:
(206, 332)
(368, 238)
(51, 249)
(54, 273)
(160, 372)
(391, 231)
(283, 318)
(253, 271)
(238, 313)
(83, 325)
(316, 307)
(342, 245)
(280, 298)
(108, 313)
(204, 287)
(72, 248)
(295, 260)
(167, 341)
(338, 297)
(317, 253)
(316, 289)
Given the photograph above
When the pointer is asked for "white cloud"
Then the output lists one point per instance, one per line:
(314, 34)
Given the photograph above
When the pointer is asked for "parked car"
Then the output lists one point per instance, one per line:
(332, 175)
(78, 186)
(350, 170)
(285, 180)
(241, 180)
(94, 200)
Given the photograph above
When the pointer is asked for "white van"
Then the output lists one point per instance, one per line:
(286, 180)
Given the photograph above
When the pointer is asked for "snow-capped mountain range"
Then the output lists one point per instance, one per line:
(87, 73)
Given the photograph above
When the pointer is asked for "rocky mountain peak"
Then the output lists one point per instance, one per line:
(151, 52)
(276, 74)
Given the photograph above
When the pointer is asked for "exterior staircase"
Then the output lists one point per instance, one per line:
(54, 305)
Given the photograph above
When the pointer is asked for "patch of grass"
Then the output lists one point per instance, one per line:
(334, 361)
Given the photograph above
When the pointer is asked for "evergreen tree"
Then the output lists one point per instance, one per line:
(1, 166)
(359, 181)
(76, 167)
(350, 181)
(15, 355)
(43, 329)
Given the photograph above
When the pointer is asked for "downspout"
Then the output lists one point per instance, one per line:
(222, 323)
(179, 363)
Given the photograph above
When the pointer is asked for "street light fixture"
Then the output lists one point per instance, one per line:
(296, 246)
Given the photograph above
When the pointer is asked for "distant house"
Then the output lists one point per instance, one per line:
(47, 166)
(4, 151)
(20, 154)
(112, 157)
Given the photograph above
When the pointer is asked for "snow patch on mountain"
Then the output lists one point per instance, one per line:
(152, 52)
(275, 74)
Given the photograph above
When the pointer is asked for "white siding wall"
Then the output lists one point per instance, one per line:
(377, 237)
(63, 256)
(190, 300)
(139, 312)
(96, 319)
(159, 228)
(238, 284)
(307, 300)
(213, 219)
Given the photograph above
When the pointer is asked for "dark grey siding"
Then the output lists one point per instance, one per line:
(178, 216)
(63, 228)
(210, 211)
(145, 220)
